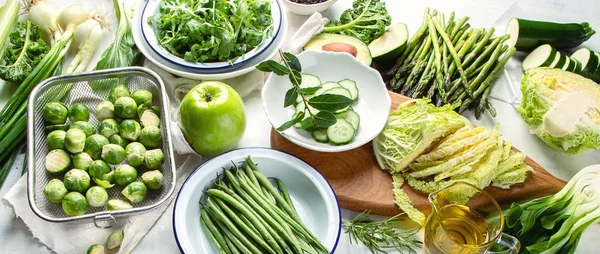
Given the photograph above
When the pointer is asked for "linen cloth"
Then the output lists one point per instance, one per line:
(76, 237)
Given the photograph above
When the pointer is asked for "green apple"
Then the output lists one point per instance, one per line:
(212, 118)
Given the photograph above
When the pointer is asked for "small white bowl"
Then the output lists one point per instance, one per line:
(373, 105)
(307, 9)
(311, 195)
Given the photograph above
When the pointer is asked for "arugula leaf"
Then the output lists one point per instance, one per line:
(366, 20)
(325, 119)
(273, 66)
(290, 97)
(297, 118)
(330, 102)
(212, 31)
(25, 50)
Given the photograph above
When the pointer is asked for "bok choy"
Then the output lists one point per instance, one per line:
(554, 224)
(122, 52)
(8, 18)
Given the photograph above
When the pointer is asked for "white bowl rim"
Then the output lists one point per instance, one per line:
(309, 5)
(212, 66)
(325, 147)
(268, 150)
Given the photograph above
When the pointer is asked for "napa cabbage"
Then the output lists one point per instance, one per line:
(561, 108)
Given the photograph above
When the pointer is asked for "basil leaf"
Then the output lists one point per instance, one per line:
(273, 66)
(309, 90)
(330, 102)
(295, 77)
(290, 97)
(325, 119)
(292, 61)
(297, 118)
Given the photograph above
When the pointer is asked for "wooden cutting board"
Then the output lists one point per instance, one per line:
(360, 184)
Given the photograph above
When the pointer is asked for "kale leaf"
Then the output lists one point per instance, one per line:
(25, 49)
(366, 20)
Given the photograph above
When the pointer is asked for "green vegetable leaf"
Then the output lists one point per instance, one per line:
(295, 77)
(273, 66)
(297, 118)
(309, 90)
(290, 97)
(122, 52)
(330, 102)
(25, 50)
(325, 119)
(292, 61)
(366, 20)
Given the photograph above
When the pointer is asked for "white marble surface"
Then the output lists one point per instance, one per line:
(15, 238)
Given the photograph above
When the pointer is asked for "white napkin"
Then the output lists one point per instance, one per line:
(77, 237)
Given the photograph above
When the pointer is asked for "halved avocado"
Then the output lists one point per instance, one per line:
(340, 43)
(389, 46)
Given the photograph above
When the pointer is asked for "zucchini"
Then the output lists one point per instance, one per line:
(350, 116)
(576, 65)
(309, 80)
(589, 59)
(565, 66)
(557, 59)
(320, 135)
(561, 61)
(351, 86)
(390, 45)
(543, 55)
(341, 132)
(526, 34)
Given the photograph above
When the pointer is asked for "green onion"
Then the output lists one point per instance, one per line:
(8, 19)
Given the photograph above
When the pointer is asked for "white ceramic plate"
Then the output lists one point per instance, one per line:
(373, 104)
(153, 6)
(195, 74)
(311, 194)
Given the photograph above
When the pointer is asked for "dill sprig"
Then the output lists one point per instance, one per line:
(380, 235)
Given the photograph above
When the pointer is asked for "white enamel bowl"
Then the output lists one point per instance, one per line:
(373, 104)
(153, 6)
(311, 194)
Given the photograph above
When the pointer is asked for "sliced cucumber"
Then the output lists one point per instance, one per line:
(309, 80)
(541, 56)
(389, 46)
(300, 107)
(340, 91)
(350, 116)
(341, 132)
(326, 86)
(320, 135)
(351, 86)
(307, 96)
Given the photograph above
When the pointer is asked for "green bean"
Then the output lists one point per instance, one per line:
(220, 217)
(212, 232)
(235, 243)
(285, 194)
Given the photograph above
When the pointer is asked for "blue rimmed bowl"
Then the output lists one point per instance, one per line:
(153, 6)
(313, 197)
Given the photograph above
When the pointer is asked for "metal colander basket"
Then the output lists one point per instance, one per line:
(90, 89)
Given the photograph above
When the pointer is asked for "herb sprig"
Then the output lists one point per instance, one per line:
(324, 104)
(380, 235)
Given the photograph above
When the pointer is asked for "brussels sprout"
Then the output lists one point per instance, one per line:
(108, 176)
(117, 204)
(114, 240)
(155, 109)
(108, 127)
(55, 113)
(57, 161)
(77, 180)
(74, 203)
(55, 191)
(105, 110)
(113, 154)
(124, 175)
(118, 140)
(86, 127)
(79, 112)
(135, 154)
(94, 144)
(154, 159)
(82, 161)
(125, 107)
(103, 183)
(98, 169)
(96, 196)
(130, 129)
(142, 97)
(141, 109)
(135, 192)
(149, 118)
(96, 249)
(51, 128)
(151, 137)
(75, 141)
(56, 139)
(118, 92)
(153, 179)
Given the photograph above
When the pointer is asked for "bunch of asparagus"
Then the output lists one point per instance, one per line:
(450, 62)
